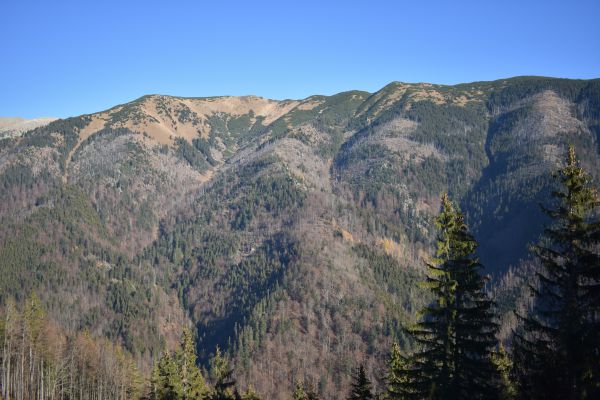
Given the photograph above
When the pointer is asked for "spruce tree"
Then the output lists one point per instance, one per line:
(178, 377)
(507, 389)
(156, 383)
(222, 376)
(361, 387)
(557, 350)
(304, 392)
(456, 333)
(398, 378)
(299, 393)
(168, 384)
(250, 394)
(193, 385)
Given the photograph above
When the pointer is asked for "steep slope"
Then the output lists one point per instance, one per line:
(530, 125)
(291, 233)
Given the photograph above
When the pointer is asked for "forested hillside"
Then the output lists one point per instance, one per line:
(290, 234)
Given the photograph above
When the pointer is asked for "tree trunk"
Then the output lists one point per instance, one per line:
(6, 367)
(42, 379)
(21, 378)
(30, 389)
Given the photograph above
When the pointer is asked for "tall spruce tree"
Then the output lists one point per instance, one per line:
(361, 387)
(398, 377)
(178, 377)
(456, 333)
(166, 382)
(222, 375)
(557, 350)
(193, 385)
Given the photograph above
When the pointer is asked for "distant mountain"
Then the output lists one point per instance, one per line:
(12, 126)
(290, 233)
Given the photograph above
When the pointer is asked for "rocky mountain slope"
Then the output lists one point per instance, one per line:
(14, 126)
(290, 233)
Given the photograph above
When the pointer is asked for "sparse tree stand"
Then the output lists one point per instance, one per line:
(361, 387)
(456, 334)
(557, 351)
(41, 361)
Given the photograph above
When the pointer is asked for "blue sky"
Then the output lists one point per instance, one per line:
(64, 58)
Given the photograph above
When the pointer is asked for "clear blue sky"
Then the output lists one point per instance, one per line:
(63, 58)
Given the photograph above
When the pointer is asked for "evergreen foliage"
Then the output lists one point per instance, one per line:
(179, 378)
(299, 392)
(166, 380)
(304, 392)
(558, 348)
(397, 378)
(193, 385)
(507, 389)
(361, 387)
(249, 394)
(221, 374)
(456, 332)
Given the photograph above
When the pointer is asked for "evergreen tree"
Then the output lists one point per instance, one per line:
(155, 382)
(456, 333)
(299, 393)
(361, 387)
(304, 392)
(179, 378)
(507, 389)
(398, 376)
(222, 376)
(168, 385)
(557, 351)
(193, 385)
(250, 394)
